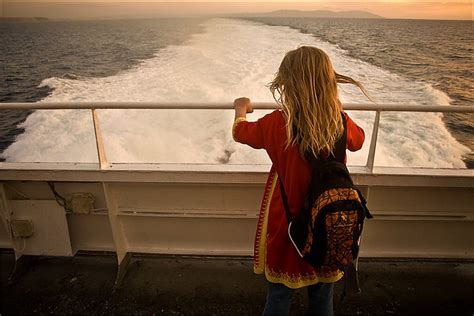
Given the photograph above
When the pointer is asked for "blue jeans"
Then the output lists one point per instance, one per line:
(279, 296)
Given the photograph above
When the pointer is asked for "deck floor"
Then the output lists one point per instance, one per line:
(164, 285)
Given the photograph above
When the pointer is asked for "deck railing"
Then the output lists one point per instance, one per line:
(161, 210)
(104, 165)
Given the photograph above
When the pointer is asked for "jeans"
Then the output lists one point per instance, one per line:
(279, 296)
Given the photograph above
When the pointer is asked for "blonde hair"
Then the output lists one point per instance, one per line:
(305, 87)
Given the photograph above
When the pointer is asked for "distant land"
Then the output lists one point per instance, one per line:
(317, 14)
(20, 19)
(273, 14)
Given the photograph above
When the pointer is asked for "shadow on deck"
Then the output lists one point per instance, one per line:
(223, 286)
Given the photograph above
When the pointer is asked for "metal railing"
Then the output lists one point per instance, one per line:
(93, 106)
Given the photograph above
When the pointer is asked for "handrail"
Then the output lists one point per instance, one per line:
(373, 142)
(378, 108)
(99, 142)
(222, 106)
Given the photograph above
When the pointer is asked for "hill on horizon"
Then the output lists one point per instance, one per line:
(318, 14)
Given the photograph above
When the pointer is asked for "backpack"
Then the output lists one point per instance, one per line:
(327, 230)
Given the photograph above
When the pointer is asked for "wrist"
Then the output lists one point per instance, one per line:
(240, 111)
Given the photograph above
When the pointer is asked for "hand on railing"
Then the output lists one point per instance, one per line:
(242, 106)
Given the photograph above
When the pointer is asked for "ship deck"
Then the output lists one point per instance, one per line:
(178, 285)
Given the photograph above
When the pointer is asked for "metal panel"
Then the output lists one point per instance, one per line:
(418, 238)
(213, 218)
(190, 235)
(90, 232)
(428, 201)
(51, 233)
(222, 197)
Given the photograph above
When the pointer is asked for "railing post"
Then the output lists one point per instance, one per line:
(373, 143)
(99, 142)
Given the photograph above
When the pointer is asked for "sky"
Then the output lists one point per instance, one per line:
(83, 9)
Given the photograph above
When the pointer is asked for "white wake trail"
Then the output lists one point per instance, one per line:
(231, 58)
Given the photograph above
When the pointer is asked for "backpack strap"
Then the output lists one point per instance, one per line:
(285, 201)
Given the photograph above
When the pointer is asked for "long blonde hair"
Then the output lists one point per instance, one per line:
(305, 87)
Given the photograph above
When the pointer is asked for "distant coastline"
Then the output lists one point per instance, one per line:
(355, 14)
(23, 19)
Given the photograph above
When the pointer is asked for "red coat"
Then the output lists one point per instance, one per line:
(273, 252)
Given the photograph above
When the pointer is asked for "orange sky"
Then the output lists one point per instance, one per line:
(109, 8)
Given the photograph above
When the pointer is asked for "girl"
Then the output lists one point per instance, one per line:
(309, 121)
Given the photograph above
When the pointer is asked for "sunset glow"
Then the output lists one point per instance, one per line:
(400, 9)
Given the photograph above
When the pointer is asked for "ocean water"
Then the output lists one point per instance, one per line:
(31, 52)
(195, 60)
(440, 53)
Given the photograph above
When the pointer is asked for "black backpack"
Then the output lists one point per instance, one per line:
(327, 230)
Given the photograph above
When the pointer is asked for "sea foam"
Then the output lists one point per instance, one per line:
(231, 58)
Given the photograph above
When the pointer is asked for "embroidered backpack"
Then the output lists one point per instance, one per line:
(327, 230)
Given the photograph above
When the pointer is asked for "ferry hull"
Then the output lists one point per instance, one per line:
(209, 211)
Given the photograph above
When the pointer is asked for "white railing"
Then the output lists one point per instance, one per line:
(175, 211)
(93, 106)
